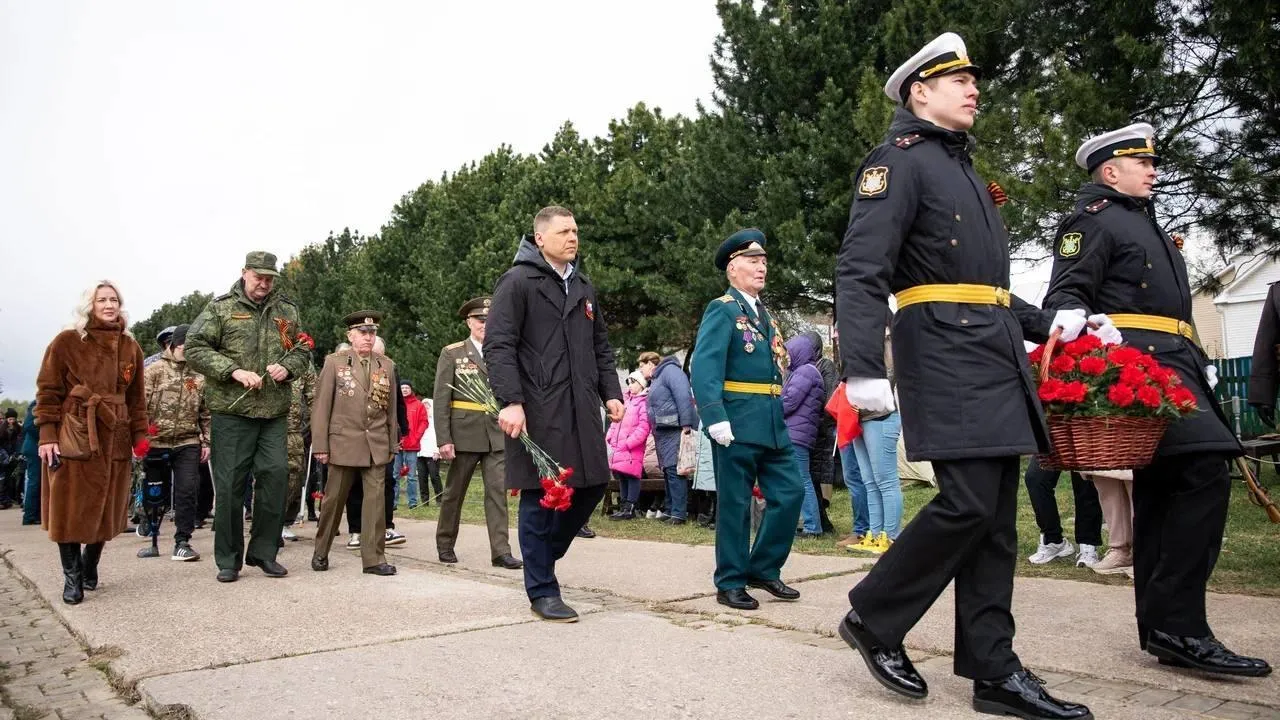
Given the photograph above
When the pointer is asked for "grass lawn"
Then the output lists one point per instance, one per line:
(1250, 560)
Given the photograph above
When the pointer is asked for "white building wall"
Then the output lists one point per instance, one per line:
(1239, 327)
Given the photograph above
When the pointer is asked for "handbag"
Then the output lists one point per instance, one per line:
(73, 438)
(687, 460)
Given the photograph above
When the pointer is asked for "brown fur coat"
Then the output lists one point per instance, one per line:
(85, 501)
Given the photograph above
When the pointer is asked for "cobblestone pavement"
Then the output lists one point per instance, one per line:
(44, 672)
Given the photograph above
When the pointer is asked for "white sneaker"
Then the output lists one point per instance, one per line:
(1087, 556)
(394, 538)
(659, 515)
(287, 534)
(353, 542)
(1047, 553)
(650, 514)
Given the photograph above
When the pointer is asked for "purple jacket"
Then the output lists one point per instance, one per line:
(803, 393)
(627, 438)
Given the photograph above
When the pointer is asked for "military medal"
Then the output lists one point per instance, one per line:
(749, 347)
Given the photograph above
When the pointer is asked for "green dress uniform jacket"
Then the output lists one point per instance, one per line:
(468, 430)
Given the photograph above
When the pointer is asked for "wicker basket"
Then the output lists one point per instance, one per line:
(1098, 443)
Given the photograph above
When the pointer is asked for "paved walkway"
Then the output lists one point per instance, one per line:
(459, 641)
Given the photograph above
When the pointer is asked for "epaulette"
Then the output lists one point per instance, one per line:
(286, 298)
(227, 296)
(456, 345)
(726, 299)
(906, 141)
(1097, 206)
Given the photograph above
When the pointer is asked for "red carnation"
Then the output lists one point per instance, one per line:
(515, 492)
(1063, 364)
(404, 470)
(1036, 355)
(1121, 395)
(756, 493)
(1148, 395)
(1183, 399)
(153, 430)
(1082, 345)
(566, 473)
(1164, 377)
(1050, 390)
(1073, 392)
(1146, 362)
(1123, 355)
(1093, 365)
(1131, 375)
(317, 495)
(142, 447)
(306, 339)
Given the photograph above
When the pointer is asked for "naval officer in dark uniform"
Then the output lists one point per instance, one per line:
(924, 227)
(736, 371)
(1111, 256)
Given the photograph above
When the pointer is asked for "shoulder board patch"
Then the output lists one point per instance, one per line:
(220, 298)
(286, 298)
(1097, 206)
(906, 141)
(456, 345)
(726, 299)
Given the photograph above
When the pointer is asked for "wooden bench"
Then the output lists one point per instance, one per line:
(646, 485)
(1258, 448)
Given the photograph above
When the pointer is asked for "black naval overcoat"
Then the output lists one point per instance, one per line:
(1265, 370)
(548, 349)
(922, 216)
(1111, 256)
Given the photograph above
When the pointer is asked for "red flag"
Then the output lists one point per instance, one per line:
(848, 426)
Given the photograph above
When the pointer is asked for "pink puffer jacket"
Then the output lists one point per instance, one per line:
(626, 438)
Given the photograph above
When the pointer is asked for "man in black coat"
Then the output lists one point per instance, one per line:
(1110, 256)
(925, 227)
(551, 369)
(1264, 373)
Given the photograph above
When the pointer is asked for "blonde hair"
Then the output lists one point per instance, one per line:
(84, 310)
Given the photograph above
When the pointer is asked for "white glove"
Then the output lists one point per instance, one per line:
(721, 432)
(1211, 372)
(1106, 331)
(870, 394)
(1071, 321)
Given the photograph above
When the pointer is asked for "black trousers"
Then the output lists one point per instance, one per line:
(967, 533)
(429, 470)
(1041, 486)
(204, 498)
(545, 535)
(1179, 514)
(184, 463)
(356, 498)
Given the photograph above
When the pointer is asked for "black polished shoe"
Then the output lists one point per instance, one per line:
(319, 564)
(674, 521)
(448, 556)
(1206, 654)
(1022, 695)
(737, 598)
(380, 569)
(270, 568)
(228, 575)
(507, 561)
(775, 588)
(586, 532)
(553, 609)
(889, 666)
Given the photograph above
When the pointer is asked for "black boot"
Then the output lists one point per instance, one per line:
(627, 511)
(72, 573)
(89, 561)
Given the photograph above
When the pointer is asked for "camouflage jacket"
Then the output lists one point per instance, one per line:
(175, 403)
(303, 398)
(234, 333)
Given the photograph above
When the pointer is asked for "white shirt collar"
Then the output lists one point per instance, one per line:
(479, 349)
(750, 301)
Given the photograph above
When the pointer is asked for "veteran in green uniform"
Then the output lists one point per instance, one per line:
(737, 381)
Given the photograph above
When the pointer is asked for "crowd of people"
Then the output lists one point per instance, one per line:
(756, 428)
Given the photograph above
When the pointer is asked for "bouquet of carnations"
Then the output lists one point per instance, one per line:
(1107, 405)
(557, 495)
(304, 343)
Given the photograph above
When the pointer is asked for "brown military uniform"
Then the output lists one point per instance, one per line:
(477, 441)
(352, 420)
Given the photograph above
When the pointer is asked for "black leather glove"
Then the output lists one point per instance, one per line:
(1266, 413)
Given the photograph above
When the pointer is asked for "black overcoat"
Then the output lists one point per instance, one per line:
(1110, 256)
(1266, 352)
(547, 348)
(922, 216)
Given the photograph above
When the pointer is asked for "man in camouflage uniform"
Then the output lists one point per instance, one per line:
(303, 396)
(246, 344)
(176, 408)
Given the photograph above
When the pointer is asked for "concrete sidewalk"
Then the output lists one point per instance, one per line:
(458, 640)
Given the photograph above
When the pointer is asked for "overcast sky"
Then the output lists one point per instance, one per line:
(154, 143)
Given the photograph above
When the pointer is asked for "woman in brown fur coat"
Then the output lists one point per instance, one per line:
(91, 410)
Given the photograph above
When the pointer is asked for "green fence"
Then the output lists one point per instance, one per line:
(1233, 395)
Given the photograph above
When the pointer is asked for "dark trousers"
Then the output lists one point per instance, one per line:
(204, 498)
(315, 483)
(429, 472)
(240, 445)
(184, 464)
(739, 467)
(1179, 514)
(967, 533)
(355, 500)
(545, 535)
(1041, 485)
(31, 495)
(628, 487)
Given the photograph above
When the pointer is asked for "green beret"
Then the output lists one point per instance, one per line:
(742, 243)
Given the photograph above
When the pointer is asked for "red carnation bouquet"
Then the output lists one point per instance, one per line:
(304, 343)
(557, 495)
(1107, 405)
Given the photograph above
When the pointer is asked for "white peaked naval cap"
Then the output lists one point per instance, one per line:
(945, 54)
(1136, 140)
